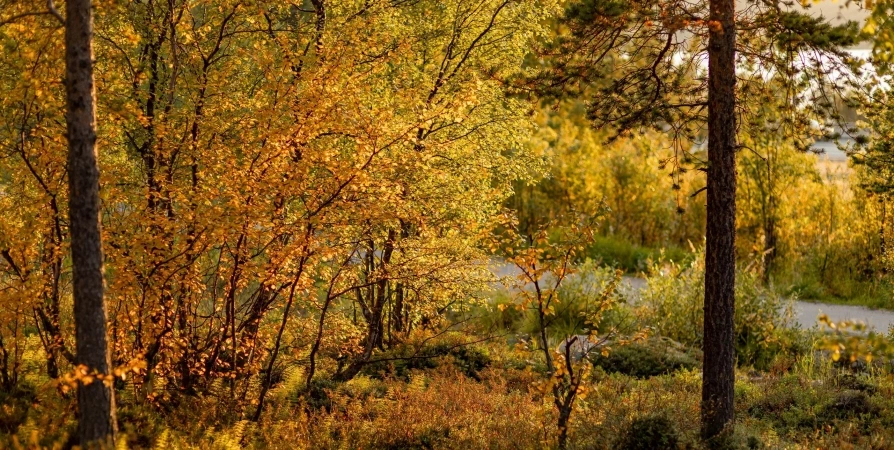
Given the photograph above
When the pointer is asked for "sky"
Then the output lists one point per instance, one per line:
(839, 12)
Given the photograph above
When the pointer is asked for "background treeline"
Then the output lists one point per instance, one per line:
(810, 225)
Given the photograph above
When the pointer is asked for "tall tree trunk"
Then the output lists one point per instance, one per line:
(397, 311)
(769, 212)
(720, 261)
(770, 243)
(769, 253)
(96, 402)
(883, 249)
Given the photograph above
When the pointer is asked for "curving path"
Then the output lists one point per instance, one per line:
(805, 313)
(878, 319)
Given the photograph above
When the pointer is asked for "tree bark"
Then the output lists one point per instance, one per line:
(96, 402)
(769, 211)
(883, 248)
(372, 308)
(770, 243)
(720, 262)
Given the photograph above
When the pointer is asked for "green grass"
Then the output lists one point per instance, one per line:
(875, 295)
(632, 258)
(837, 288)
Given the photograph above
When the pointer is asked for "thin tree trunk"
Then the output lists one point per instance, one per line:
(373, 309)
(373, 336)
(770, 243)
(720, 261)
(6, 381)
(564, 418)
(96, 401)
(273, 354)
(398, 310)
(883, 249)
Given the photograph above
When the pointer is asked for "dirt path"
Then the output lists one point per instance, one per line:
(805, 313)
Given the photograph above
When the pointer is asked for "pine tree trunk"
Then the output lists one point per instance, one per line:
(96, 403)
(720, 261)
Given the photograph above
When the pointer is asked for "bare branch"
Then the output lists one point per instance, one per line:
(54, 12)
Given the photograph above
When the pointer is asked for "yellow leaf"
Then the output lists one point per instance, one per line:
(870, 26)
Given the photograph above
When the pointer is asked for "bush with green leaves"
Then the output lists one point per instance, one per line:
(647, 358)
(650, 433)
(672, 304)
(617, 252)
(400, 361)
(577, 296)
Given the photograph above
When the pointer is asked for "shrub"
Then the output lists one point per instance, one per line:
(672, 303)
(792, 403)
(14, 409)
(577, 295)
(855, 382)
(498, 313)
(647, 358)
(632, 258)
(649, 433)
(848, 404)
(754, 443)
(436, 409)
(400, 361)
(318, 394)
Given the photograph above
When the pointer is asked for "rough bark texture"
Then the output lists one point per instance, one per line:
(720, 261)
(96, 403)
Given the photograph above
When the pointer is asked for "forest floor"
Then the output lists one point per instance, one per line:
(492, 395)
(481, 387)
